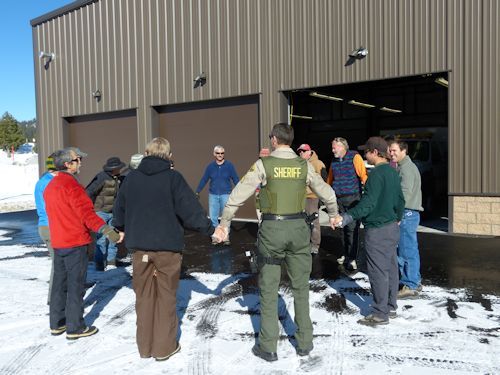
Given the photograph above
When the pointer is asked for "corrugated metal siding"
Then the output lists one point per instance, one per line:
(144, 53)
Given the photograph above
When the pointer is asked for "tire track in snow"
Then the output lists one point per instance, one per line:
(19, 362)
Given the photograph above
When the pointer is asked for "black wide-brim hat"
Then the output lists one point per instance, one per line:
(113, 163)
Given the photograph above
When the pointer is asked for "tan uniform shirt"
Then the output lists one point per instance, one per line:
(257, 176)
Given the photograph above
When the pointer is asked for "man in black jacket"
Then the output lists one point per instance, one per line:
(153, 206)
(103, 190)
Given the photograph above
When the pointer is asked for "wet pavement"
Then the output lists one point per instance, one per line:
(449, 261)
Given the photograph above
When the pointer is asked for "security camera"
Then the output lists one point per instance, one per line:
(359, 53)
(47, 55)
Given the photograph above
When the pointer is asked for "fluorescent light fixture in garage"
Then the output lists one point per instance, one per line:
(302, 117)
(441, 81)
(327, 97)
(361, 104)
(392, 110)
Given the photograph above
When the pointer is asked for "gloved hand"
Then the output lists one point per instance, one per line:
(111, 233)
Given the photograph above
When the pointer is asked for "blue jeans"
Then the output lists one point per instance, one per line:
(216, 205)
(104, 248)
(408, 255)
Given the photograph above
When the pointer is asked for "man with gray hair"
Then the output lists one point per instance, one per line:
(220, 172)
(71, 216)
(347, 173)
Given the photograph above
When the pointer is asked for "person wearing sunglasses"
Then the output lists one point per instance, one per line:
(220, 173)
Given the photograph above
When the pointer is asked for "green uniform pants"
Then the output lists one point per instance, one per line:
(287, 240)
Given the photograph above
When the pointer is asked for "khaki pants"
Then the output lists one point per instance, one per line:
(155, 279)
(44, 233)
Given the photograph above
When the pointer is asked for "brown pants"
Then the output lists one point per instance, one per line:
(155, 279)
(311, 207)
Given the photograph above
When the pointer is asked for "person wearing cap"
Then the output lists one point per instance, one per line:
(43, 221)
(380, 210)
(312, 201)
(103, 190)
(283, 235)
(220, 172)
(153, 207)
(71, 218)
(346, 175)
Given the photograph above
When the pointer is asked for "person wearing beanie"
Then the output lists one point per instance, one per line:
(103, 190)
(43, 222)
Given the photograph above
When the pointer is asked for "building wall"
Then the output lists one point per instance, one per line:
(144, 53)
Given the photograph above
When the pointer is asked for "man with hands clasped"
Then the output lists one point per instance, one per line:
(283, 236)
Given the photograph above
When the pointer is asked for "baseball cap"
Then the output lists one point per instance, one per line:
(304, 147)
(77, 151)
(375, 143)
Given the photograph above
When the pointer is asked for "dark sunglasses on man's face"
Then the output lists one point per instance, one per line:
(219, 153)
(77, 159)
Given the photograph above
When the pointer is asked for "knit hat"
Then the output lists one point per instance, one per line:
(135, 160)
(49, 163)
(113, 163)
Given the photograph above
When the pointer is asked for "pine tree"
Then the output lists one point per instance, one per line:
(11, 134)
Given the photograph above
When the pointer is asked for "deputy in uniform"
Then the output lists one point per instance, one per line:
(283, 236)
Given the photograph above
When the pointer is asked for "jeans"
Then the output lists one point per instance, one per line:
(104, 249)
(216, 205)
(408, 255)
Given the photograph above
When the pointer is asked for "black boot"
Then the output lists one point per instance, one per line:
(266, 356)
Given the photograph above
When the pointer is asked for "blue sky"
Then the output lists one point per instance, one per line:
(17, 85)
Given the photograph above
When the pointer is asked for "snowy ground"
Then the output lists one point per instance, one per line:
(441, 333)
(19, 176)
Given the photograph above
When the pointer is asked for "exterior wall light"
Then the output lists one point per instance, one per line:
(47, 55)
(199, 80)
(97, 95)
(359, 53)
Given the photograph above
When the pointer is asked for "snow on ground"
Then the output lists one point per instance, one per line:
(19, 176)
(443, 332)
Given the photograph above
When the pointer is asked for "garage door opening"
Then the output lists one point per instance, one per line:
(414, 109)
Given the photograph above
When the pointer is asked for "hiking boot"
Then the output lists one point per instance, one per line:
(266, 356)
(372, 321)
(58, 331)
(393, 314)
(341, 260)
(87, 331)
(314, 250)
(406, 293)
(177, 350)
(304, 352)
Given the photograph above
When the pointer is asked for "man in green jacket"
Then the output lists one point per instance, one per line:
(283, 235)
(380, 210)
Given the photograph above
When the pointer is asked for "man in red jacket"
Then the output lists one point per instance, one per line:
(71, 216)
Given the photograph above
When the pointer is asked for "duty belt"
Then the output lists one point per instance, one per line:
(300, 215)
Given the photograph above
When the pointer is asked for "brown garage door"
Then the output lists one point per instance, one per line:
(195, 128)
(102, 136)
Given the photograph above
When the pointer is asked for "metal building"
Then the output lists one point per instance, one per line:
(112, 74)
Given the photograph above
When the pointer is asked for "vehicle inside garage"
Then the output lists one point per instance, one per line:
(414, 109)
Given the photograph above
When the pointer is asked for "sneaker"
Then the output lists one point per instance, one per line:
(341, 260)
(393, 314)
(304, 352)
(266, 356)
(314, 250)
(87, 331)
(58, 331)
(177, 350)
(406, 293)
(372, 321)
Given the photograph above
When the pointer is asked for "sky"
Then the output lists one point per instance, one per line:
(17, 85)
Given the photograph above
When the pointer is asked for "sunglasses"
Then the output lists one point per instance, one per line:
(77, 159)
(302, 150)
(219, 153)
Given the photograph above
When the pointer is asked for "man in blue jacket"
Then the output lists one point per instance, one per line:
(220, 172)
